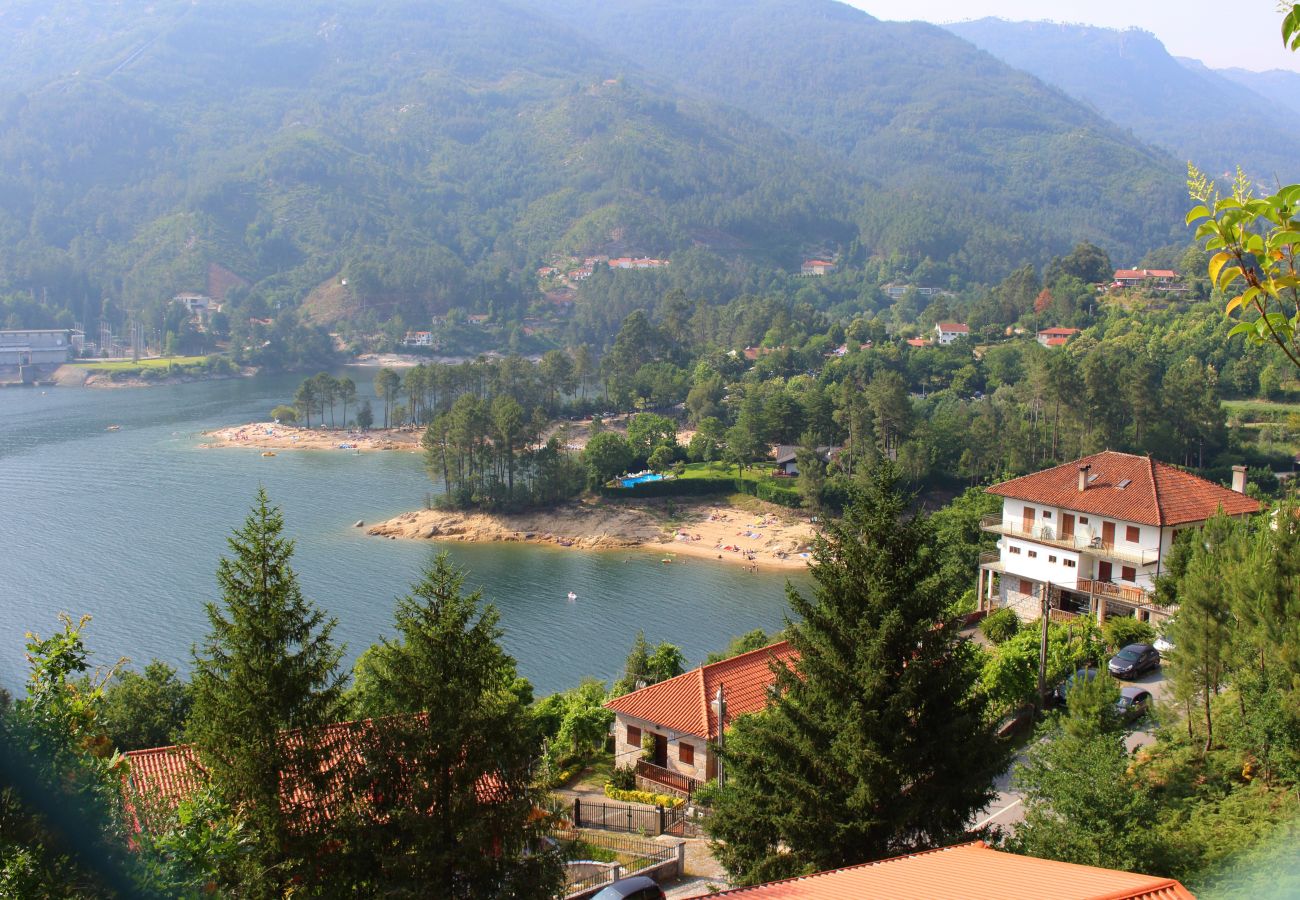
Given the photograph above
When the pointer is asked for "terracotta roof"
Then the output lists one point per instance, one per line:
(158, 779)
(972, 871)
(1156, 493)
(682, 703)
(954, 326)
(1145, 273)
(1058, 331)
(917, 342)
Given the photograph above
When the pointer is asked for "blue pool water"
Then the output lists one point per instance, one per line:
(633, 482)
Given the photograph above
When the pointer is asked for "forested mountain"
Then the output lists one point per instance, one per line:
(1276, 85)
(1191, 111)
(433, 153)
(981, 164)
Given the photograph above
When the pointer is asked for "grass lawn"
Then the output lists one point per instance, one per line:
(122, 365)
(731, 472)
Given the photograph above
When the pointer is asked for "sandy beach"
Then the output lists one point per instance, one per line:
(763, 538)
(270, 436)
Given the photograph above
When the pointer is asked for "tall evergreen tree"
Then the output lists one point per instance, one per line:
(446, 800)
(267, 665)
(876, 744)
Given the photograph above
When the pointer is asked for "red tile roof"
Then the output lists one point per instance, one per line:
(971, 872)
(1145, 273)
(954, 326)
(682, 703)
(157, 780)
(917, 342)
(1156, 493)
(1058, 331)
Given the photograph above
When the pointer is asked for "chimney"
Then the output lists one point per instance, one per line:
(1083, 477)
(1239, 479)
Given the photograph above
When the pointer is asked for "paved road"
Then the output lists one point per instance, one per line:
(1008, 808)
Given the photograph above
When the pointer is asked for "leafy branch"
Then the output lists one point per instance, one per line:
(1254, 243)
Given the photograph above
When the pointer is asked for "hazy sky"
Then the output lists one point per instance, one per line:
(1250, 38)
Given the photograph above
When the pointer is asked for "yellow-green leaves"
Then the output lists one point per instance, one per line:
(1291, 28)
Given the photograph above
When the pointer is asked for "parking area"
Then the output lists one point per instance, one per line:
(1008, 809)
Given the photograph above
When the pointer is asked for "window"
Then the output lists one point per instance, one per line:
(1132, 534)
(634, 735)
(1051, 559)
(1128, 573)
(1033, 554)
(1026, 586)
(1070, 564)
(1047, 514)
(1013, 549)
(686, 753)
(1083, 520)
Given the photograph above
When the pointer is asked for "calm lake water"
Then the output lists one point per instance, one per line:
(128, 526)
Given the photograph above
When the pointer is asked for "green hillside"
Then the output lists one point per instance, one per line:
(982, 164)
(1185, 108)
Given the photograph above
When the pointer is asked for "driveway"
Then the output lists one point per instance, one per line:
(1008, 808)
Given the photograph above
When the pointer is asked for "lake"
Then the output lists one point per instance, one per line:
(128, 526)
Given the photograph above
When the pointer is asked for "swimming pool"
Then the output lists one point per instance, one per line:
(639, 479)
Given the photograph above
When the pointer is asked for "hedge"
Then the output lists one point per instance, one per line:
(646, 797)
(700, 487)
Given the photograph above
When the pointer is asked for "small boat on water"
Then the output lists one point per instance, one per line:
(113, 428)
(572, 596)
(268, 453)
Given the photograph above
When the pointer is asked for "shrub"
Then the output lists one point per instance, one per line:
(1000, 625)
(1123, 630)
(646, 797)
(623, 778)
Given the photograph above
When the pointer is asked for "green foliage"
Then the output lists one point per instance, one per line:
(447, 795)
(623, 778)
(744, 643)
(268, 664)
(607, 455)
(287, 415)
(634, 796)
(146, 709)
(574, 723)
(878, 744)
(1120, 631)
(646, 666)
(1000, 625)
(1254, 241)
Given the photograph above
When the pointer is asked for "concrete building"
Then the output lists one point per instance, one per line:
(1095, 533)
(36, 347)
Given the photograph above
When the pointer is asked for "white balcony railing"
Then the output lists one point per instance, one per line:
(1080, 543)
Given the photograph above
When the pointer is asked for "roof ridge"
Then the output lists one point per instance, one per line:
(731, 659)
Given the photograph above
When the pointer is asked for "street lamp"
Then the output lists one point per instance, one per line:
(719, 707)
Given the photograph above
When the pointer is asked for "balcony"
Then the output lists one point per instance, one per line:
(1091, 546)
(1134, 596)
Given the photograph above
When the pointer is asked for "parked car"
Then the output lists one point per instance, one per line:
(638, 887)
(1060, 692)
(1133, 703)
(1133, 661)
(1164, 646)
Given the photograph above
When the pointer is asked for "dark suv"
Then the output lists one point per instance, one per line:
(1133, 661)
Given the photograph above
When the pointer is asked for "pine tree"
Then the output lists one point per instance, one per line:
(267, 665)
(446, 800)
(878, 744)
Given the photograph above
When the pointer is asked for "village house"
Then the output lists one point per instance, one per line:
(917, 342)
(947, 332)
(816, 267)
(418, 339)
(628, 262)
(1095, 533)
(894, 290)
(678, 721)
(973, 871)
(1056, 337)
(1151, 279)
(787, 454)
(477, 318)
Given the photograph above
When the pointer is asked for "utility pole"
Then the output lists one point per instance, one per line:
(1042, 646)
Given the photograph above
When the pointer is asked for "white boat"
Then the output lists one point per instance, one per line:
(572, 596)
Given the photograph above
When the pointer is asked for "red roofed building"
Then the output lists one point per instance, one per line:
(816, 267)
(972, 871)
(1151, 279)
(947, 332)
(678, 716)
(1096, 532)
(1056, 337)
(917, 342)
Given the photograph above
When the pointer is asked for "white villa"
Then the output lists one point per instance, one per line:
(947, 332)
(1095, 533)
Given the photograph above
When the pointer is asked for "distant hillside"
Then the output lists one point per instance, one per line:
(1191, 111)
(433, 154)
(1276, 85)
(981, 163)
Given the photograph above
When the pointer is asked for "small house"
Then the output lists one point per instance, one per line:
(947, 332)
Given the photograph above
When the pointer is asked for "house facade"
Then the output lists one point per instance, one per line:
(36, 347)
(676, 719)
(947, 332)
(816, 267)
(1151, 279)
(1056, 337)
(1094, 534)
